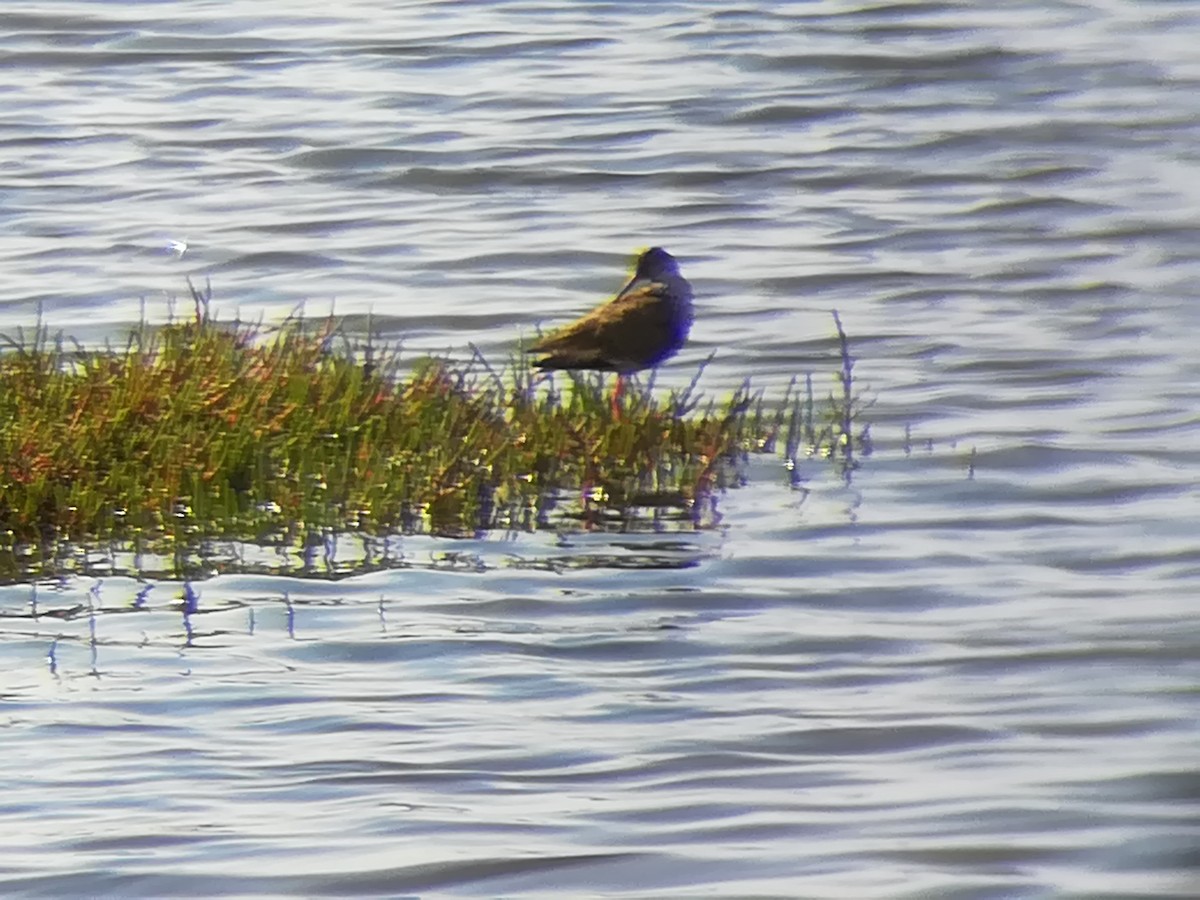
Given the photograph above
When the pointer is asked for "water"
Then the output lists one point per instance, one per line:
(970, 672)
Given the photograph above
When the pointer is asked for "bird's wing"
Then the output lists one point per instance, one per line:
(628, 326)
(636, 304)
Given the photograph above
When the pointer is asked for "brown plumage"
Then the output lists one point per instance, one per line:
(646, 323)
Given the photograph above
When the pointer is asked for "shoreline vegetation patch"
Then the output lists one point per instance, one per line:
(206, 431)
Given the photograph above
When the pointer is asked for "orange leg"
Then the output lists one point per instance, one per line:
(617, 394)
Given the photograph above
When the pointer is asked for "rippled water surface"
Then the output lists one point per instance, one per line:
(973, 671)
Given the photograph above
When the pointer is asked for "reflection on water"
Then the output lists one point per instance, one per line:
(630, 539)
(968, 671)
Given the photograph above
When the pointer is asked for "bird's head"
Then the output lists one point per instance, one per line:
(656, 264)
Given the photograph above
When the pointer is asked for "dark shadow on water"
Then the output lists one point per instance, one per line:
(660, 533)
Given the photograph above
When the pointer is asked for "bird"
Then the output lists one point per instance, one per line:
(643, 325)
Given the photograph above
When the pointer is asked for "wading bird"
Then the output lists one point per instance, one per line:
(646, 323)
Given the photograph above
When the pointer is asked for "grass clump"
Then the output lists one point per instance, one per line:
(203, 430)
